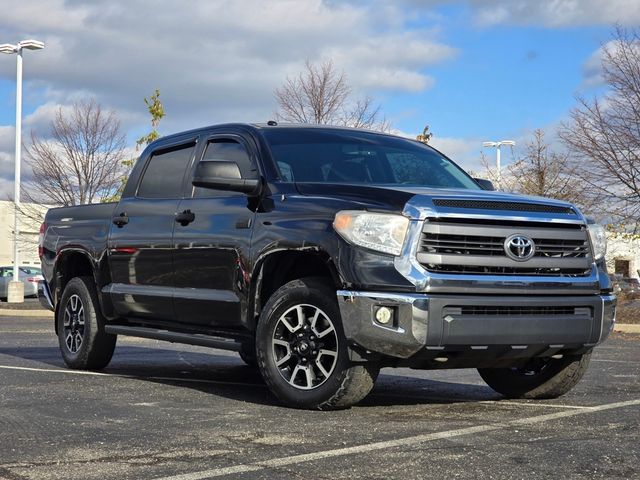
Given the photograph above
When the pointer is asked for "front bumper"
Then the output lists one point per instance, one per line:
(430, 322)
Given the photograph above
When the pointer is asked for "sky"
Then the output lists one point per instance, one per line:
(472, 70)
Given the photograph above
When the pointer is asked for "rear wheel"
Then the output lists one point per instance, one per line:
(302, 351)
(540, 378)
(83, 343)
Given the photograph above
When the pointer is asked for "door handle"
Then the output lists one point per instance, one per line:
(185, 218)
(121, 220)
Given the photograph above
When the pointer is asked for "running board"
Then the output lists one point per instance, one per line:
(175, 337)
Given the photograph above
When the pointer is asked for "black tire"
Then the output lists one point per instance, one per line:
(83, 343)
(346, 383)
(248, 354)
(540, 379)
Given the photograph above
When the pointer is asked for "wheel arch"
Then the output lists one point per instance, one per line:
(70, 263)
(277, 268)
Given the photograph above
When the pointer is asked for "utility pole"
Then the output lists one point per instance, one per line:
(15, 293)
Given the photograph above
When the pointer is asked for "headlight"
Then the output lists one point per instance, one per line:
(598, 237)
(383, 232)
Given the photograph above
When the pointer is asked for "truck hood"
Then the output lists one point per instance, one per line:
(401, 199)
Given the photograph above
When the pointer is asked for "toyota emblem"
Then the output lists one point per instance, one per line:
(519, 248)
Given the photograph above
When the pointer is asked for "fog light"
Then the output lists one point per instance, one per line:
(383, 315)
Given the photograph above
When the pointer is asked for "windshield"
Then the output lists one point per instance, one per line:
(350, 156)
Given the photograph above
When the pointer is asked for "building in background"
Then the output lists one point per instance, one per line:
(31, 217)
(623, 255)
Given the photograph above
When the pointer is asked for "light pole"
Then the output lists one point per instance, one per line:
(497, 146)
(15, 292)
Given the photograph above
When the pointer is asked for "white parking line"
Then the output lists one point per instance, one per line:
(427, 397)
(612, 361)
(531, 404)
(52, 370)
(401, 442)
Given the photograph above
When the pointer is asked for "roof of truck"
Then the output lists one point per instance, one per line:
(265, 126)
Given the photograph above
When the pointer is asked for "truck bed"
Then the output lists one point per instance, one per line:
(84, 226)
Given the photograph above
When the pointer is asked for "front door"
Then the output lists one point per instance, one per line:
(211, 251)
(140, 248)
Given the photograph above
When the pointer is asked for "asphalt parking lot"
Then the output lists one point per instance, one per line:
(185, 413)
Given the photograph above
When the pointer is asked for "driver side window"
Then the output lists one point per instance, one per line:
(226, 150)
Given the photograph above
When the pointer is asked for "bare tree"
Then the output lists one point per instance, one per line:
(547, 173)
(604, 133)
(543, 172)
(81, 162)
(321, 95)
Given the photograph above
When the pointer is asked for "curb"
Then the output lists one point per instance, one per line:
(6, 312)
(626, 328)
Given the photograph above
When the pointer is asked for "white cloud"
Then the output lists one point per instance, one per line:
(547, 13)
(556, 13)
(464, 151)
(592, 69)
(7, 145)
(213, 61)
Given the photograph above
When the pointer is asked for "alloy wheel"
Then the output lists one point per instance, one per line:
(73, 323)
(305, 346)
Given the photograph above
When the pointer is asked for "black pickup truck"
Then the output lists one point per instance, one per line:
(323, 254)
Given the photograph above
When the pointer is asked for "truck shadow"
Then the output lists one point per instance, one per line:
(225, 375)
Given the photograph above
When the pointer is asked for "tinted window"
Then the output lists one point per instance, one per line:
(164, 173)
(348, 156)
(227, 150)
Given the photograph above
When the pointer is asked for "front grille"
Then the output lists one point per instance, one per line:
(510, 311)
(480, 245)
(460, 247)
(511, 206)
(479, 270)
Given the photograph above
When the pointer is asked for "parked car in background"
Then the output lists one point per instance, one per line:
(29, 275)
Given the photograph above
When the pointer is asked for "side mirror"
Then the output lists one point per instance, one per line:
(223, 175)
(485, 184)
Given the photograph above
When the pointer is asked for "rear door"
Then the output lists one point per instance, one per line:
(140, 239)
(211, 253)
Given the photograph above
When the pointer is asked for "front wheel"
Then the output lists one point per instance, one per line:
(83, 343)
(302, 351)
(540, 378)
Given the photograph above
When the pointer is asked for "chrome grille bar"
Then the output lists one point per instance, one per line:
(455, 247)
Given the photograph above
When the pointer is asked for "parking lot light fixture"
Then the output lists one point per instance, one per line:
(497, 146)
(8, 48)
(31, 44)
